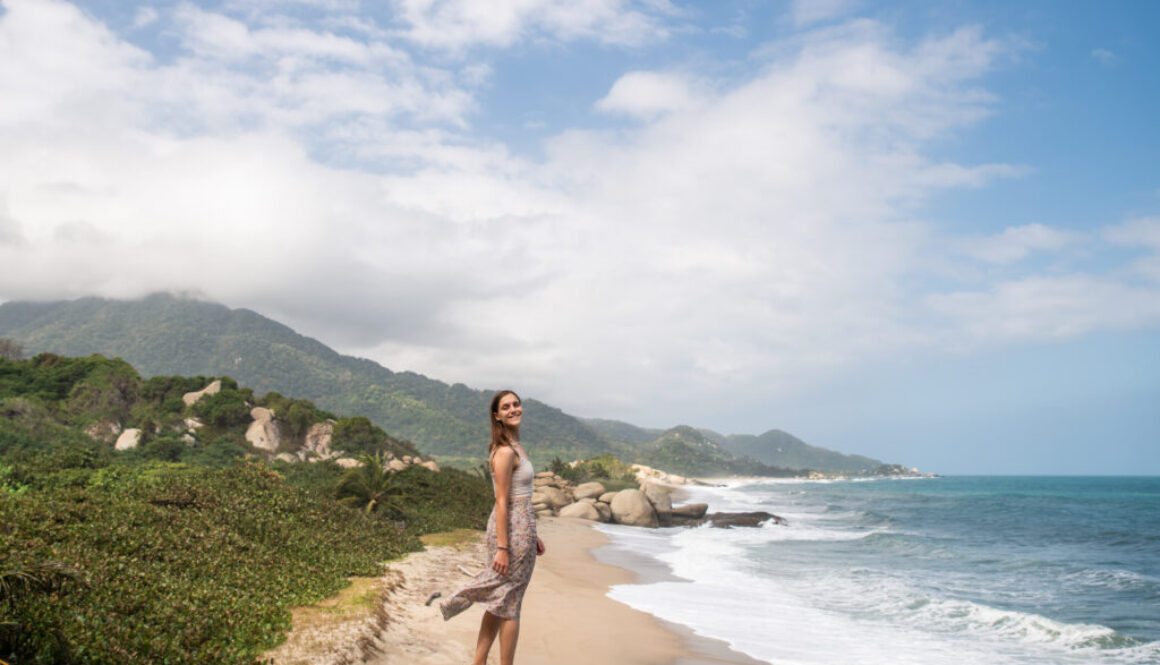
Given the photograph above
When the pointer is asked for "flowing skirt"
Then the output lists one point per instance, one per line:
(502, 595)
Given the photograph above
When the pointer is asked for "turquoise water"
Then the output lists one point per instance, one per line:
(950, 570)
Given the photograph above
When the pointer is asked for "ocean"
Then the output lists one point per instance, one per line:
(956, 570)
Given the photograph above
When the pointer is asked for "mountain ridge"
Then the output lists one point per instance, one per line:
(166, 334)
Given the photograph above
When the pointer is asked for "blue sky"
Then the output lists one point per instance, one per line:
(926, 232)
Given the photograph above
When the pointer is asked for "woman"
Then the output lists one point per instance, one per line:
(512, 543)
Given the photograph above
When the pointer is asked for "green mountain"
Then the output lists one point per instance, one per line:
(163, 335)
(775, 448)
(778, 448)
(168, 335)
(687, 451)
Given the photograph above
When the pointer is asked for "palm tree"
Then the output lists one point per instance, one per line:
(40, 577)
(371, 485)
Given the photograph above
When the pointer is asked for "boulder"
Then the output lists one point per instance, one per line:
(538, 507)
(318, 437)
(347, 462)
(604, 510)
(544, 513)
(631, 507)
(581, 510)
(105, 432)
(429, 465)
(263, 432)
(128, 440)
(396, 465)
(607, 497)
(660, 497)
(543, 482)
(286, 457)
(189, 439)
(691, 510)
(211, 389)
(588, 490)
(757, 518)
(545, 474)
(552, 496)
(193, 424)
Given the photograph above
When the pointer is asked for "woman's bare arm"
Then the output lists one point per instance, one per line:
(502, 464)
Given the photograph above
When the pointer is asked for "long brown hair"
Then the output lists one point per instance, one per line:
(501, 434)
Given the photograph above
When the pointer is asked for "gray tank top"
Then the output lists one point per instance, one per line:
(522, 477)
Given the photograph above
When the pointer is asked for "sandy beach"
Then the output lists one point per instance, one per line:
(567, 618)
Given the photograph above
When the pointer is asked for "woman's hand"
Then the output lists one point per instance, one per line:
(540, 549)
(501, 562)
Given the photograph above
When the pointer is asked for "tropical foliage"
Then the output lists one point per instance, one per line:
(179, 553)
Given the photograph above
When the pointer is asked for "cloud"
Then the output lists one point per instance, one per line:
(647, 95)
(1103, 56)
(743, 236)
(1017, 242)
(454, 25)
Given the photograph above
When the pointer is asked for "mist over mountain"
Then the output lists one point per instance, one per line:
(164, 334)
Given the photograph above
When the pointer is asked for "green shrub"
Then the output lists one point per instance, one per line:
(223, 409)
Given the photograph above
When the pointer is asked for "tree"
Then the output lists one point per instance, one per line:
(10, 350)
(371, 486)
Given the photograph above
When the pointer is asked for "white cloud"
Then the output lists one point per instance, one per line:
(647, 95)
(746, 235)
(1017, 242)
(1103, 56)
(459, 24)
(145, 17)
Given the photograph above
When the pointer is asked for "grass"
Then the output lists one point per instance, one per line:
(460, 539)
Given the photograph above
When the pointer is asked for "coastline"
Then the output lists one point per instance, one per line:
(568, 619)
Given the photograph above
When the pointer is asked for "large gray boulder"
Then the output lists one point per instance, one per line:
(212, 389)
(631, 507)
(128, 440)
(660, 497)
(591, 490)
(691, 510)
(263, 432)
(604, 510)
(581, 510)
(318, 437)
(552, 496)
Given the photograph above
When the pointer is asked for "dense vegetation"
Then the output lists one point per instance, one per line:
(688, 451)
(168, 335)
(178, 552)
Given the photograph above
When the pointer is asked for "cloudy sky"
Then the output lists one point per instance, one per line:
(924, 232)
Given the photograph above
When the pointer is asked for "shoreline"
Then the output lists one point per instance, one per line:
(567, 616)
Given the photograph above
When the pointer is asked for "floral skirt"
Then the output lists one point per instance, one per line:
(502, 595)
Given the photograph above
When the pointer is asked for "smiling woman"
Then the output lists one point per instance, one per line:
(512, 543)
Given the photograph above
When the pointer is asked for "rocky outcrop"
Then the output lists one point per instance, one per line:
(632, 507)
(661, 499)
(104, 432)
(757, 518)
(553, 497)
(430, 465)
(645, 474)
(318, 438)
(690, 514)
(263, 432)
(211, 389)
(129, 439)
(591, 490)
(584, 509)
